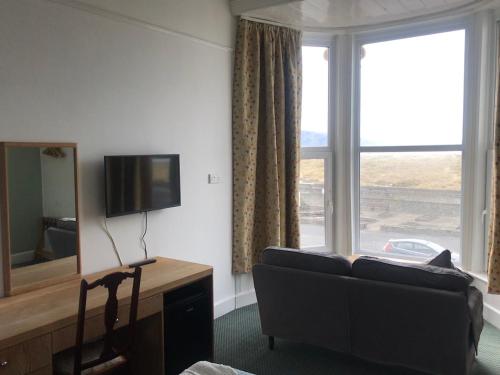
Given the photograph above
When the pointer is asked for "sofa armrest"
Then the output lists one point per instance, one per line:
(475, 305)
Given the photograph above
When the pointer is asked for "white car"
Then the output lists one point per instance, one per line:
(417, 248)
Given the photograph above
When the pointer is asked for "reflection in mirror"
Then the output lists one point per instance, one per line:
(42, 213)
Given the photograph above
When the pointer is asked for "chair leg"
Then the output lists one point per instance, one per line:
(271, 342)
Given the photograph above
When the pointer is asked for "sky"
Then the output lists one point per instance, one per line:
(411, 91)
(314, 90)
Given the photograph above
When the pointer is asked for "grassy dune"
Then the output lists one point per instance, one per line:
(439, 170)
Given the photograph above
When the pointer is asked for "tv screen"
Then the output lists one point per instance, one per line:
(141, 183)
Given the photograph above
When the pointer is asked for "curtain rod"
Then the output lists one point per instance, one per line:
(269, 22)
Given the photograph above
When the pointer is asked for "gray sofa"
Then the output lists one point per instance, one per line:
(62, 241)
(421, 317)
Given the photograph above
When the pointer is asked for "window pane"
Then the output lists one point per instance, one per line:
(410, 204)
(412, 91)
(314, 97)
(312, 203)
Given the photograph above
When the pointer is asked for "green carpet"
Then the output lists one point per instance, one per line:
(240, 344)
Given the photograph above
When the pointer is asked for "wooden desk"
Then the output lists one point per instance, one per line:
(38, 324)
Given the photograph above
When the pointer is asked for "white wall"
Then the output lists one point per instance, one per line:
(115, 87)
(205, 19)
(58, 184)
(491, 301)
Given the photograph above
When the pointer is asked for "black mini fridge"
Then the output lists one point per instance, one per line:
(188, 327)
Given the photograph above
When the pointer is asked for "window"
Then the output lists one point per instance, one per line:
(399, 123)
(409, 146)
(315, 72)
(315, 165)
(312, 203)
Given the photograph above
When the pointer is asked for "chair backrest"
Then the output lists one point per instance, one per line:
(109, 352)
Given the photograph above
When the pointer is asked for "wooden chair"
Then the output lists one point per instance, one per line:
(104, 356)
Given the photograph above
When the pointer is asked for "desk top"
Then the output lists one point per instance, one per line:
(44, 310)
(24, 277)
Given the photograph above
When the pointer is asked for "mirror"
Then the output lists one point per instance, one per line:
(40, 235)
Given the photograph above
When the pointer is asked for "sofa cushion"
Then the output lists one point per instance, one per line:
(423, 275)
(307, 261)
(442, 260)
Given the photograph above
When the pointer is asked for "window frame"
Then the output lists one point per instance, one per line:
(325, 152)
(482, 32)
(490, 68)
(468, 129)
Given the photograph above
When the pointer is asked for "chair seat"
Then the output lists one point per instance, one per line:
(64, 361)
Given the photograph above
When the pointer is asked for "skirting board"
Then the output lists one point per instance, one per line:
(24, 257)
(491, 304)
(231, 303)
(491, 315)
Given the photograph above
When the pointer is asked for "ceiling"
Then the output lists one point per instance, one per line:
(335, 14)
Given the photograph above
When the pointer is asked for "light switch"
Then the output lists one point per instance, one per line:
(214, 179)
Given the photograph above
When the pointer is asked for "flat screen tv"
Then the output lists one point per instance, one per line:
(141, 183)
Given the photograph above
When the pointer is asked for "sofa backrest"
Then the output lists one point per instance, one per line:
(310, 307)
(307, 261)
(422, 275)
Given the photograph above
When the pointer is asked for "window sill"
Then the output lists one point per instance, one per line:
(481, 276)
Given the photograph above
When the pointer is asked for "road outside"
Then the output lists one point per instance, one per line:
(313, 235)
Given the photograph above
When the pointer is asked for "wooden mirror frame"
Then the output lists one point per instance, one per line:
(9, 290)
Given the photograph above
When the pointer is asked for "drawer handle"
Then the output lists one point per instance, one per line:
(3, 363)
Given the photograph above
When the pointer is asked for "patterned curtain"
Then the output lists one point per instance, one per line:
(494, 245)
(267, 91)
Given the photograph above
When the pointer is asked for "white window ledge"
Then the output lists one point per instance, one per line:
(482, 276)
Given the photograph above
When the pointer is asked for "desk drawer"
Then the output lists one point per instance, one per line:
(64, 338)
(26, 357)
